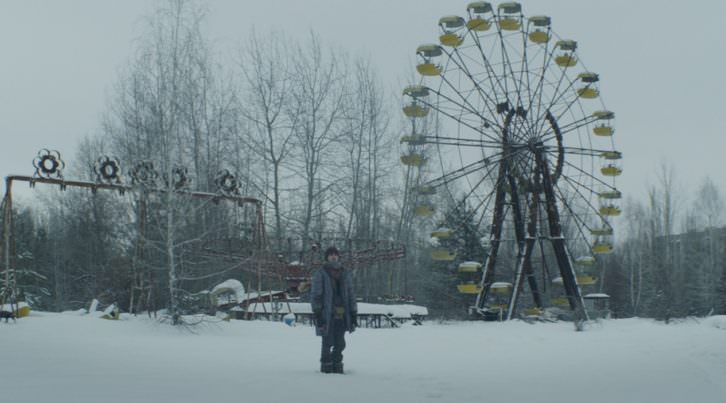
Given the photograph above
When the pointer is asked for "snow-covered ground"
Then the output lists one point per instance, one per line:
(56, 358)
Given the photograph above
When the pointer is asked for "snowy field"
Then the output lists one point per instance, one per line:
(56, 358)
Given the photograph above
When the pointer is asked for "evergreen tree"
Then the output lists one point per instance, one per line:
(465, 243)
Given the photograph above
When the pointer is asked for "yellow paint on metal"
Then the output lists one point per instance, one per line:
(611, 170)
(588, 93)
(533, 311)
(415, 111)
(468, 288)
(442, 233)
(443, 255)
(423, 210)
(451, 40)
(509, 24)
(22, 311)
(586, 280)
(602, 248)
(539, 36)
(478, 24)
(610, 210)
(428, 69)
(603, 130)
(412, 159)
(560, 301)
(566, 60)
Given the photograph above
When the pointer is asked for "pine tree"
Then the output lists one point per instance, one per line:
(465, 243)
(721, 294)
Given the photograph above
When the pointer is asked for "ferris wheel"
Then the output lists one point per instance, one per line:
(507, 121)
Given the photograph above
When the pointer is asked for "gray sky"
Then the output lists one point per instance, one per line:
(661, 66)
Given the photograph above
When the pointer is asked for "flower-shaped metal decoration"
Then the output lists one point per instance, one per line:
(227, 183)
(179, 178)
(48, 164)
(144, 174)
(107, 170)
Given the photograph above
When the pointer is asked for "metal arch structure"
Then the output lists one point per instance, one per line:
(519, 129)
(49, 170)
(256, 259)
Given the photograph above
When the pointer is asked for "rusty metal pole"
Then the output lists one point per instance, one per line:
(7, 227)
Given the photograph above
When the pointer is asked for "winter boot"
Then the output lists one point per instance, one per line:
(326, 367)
(337, 367)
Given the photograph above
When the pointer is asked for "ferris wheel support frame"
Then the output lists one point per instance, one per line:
(526, 244)
(567, 271)
(524, 267)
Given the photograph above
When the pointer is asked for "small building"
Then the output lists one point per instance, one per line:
(597, 305)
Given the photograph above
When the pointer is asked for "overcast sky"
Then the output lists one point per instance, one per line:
(661, 65)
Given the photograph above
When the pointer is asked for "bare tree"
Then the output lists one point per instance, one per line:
(709, 204)
(635, 252)
(366, 142)
(664, 202)
(170, 109)
(318, 97)
(266, 66)
(709, 207)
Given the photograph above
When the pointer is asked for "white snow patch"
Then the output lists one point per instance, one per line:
(12, 307)
(717, 321)
(231, 286)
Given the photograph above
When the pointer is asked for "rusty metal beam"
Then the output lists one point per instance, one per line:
(63, 183)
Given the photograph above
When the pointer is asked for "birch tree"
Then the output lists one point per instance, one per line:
(709, 209)
(160, 109)
(318, 97)
(268, 79)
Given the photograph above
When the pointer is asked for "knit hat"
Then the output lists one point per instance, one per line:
(331, 251)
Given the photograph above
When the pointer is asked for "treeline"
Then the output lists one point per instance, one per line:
(671, 261)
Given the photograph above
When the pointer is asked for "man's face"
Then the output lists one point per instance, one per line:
(333, 258)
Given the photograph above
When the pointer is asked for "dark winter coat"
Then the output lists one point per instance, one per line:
(321, 299)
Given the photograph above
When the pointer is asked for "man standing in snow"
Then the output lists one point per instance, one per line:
(334, 309)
